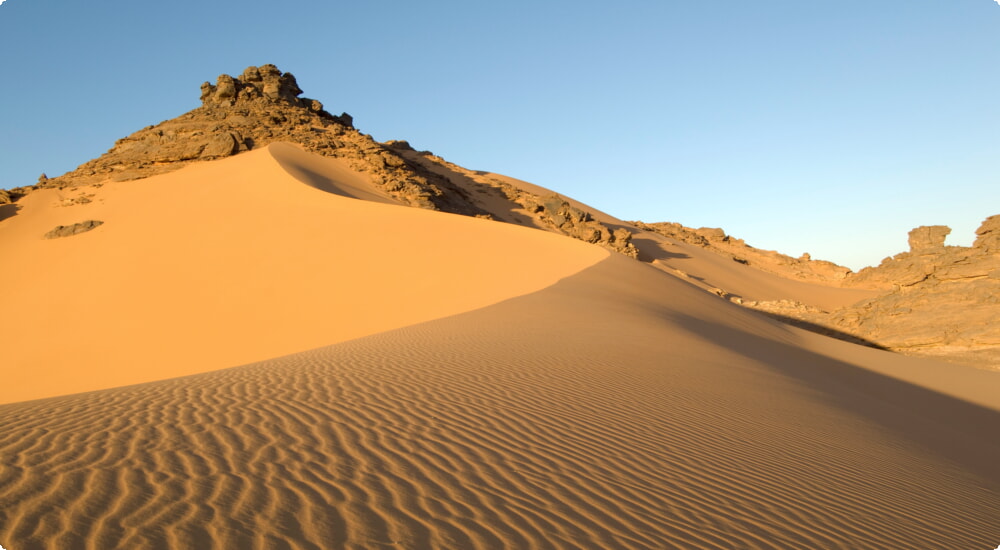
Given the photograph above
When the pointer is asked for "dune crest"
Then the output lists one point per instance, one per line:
(237, 260)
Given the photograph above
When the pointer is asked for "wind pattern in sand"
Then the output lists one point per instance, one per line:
(498, 428)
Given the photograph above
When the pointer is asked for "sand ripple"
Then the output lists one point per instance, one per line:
(500, 428)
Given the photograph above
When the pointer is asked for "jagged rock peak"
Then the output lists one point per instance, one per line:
(264, 84)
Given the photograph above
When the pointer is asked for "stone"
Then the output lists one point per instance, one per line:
(220, 146)
(75, 229)
(225, 89)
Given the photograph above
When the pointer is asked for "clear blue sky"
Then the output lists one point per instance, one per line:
(827, 127)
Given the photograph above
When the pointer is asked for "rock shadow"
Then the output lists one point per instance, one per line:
(8, 211)
(650, 249)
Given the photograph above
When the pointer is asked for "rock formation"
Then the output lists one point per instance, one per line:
(928, 238)
(549, 212)
(262, 106)
(577, 223)
(935, 298)
(943, 300)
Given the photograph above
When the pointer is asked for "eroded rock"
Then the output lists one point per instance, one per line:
(928, 238)
(940, 298)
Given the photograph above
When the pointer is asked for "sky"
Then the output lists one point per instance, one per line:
(824, 127)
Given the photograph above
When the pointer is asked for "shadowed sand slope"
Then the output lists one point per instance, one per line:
(618, 408)
(238, 260)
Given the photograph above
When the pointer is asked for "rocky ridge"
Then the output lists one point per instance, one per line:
(262, 106)
(803, 268)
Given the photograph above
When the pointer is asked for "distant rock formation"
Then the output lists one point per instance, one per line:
(928, 238)
(936, 300)
(803, 268)
(941, 299)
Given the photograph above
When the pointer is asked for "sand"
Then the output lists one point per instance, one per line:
(600, 404)
(228, 262)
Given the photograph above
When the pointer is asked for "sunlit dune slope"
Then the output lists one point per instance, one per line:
(618, 408)
(238, 260)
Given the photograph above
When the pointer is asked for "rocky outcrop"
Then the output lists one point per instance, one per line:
(927, 254)
(576, 223)
(9, 196)
(549, 212)
(937, 300)
(75, 229)
(263, 105)
(943, 300)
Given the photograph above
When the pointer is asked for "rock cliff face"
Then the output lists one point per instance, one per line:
(940, 299)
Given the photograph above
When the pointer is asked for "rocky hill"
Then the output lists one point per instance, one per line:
(934, 299)
(263, 105)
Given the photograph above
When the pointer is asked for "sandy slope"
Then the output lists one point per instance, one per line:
(616, 408)
(234, 261)
(597, 413)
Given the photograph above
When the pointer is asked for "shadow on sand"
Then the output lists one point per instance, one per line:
(8, 211)
(958, 431)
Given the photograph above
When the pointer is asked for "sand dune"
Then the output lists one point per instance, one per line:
(487, 386)
(234, 261)
(591, 414)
